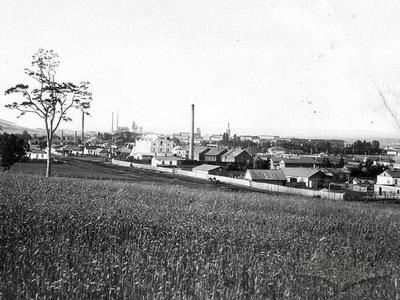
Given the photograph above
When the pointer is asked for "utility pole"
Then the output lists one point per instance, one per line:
(83, 127)
(191, 149)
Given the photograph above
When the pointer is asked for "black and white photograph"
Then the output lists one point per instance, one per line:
(213, 149)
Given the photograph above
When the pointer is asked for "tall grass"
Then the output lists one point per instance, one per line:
(68, 238)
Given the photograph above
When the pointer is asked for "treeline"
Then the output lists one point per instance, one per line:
(312, 146)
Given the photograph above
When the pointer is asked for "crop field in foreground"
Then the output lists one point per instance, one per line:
(76, 238)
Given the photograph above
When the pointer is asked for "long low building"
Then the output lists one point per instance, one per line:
(207, 169)
(166, 161)
(267, 176)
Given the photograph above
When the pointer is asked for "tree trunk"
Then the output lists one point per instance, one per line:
(48, 168)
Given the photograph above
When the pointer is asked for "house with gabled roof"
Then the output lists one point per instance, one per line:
(199, 153)
(237, 156)
(37, 153)
(312, 178)
(388, 183)
(339, 174)
(214, 155)
(71, 150)
(267, 176)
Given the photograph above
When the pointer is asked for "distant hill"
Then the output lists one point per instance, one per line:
(10, 127)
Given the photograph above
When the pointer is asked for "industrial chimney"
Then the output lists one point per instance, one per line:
(191, 149)
(83, 127)
(112, 122)
(76, 136)
(117, 120)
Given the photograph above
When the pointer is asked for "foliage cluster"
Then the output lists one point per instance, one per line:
(12, 149)
(67, 238)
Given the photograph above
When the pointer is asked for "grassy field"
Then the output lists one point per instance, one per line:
(76, 238)
(88, 169)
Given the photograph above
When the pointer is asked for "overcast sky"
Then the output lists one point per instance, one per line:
(293, 68)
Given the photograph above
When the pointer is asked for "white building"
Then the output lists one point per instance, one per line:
(388, 184)
(388, 177)
(180, 151)
(37, 154)
(166, 161)
(153, 145)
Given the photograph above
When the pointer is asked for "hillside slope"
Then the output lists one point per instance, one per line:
(12, 128)
(69, 238)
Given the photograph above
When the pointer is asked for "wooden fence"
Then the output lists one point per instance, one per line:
(239, 182)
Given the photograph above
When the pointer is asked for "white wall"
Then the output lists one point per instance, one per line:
(240, 182)
(388, 180)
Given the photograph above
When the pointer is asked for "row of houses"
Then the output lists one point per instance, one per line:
(296, 177)
(239, 157)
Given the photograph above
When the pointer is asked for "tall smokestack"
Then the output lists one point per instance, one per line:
(76, 136)
(62, 135)
(83, 127)
(191, 149)
(117, 120)
(112, 122)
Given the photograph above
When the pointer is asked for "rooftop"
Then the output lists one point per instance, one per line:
(300, 172)
(206, 167)
(393, 173)
(216, 152)
(233, 152)
(266, 174)
(167, 158)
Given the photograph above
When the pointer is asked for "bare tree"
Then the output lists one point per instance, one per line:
(51, 100)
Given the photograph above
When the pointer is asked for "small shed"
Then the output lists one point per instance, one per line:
(267, 176)
(36, 153)
(166, 161)
(207, 169)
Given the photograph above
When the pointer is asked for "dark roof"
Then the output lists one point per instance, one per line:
(206, 167)
(234, 153)
(200, 150)
(336, 171)
(215, 152)
(301, 160)
(393, 173)
(167, 158)
(266, 174)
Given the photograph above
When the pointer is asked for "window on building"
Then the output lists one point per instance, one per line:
(395, 181)
(163, 162)
(160, 143)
